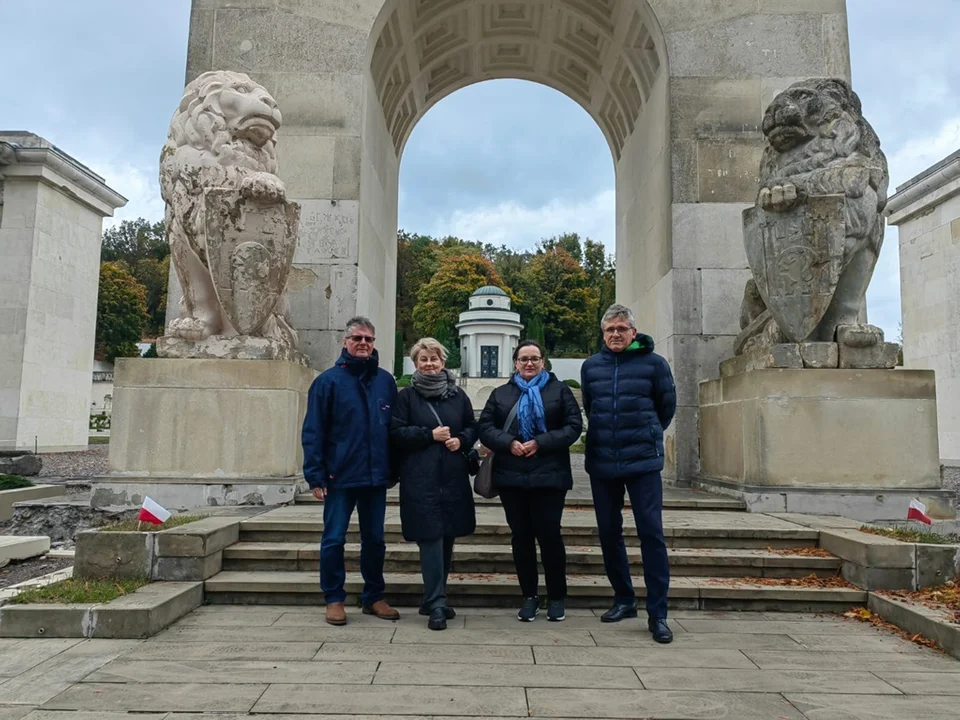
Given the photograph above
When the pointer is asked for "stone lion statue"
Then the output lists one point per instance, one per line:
(222, 135)
(819, 143)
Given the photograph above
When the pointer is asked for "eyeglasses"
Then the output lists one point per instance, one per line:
(618, 330)
(525, 360)
(361, 338)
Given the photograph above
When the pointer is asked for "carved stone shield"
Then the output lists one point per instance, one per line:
(796, 258)
(249, 251)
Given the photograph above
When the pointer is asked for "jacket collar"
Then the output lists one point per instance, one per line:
(359, 366)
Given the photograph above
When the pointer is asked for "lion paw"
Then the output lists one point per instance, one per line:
(263, 187)
(192, 329)
(778, 197)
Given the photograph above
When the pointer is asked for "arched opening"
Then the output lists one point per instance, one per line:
(607, 55)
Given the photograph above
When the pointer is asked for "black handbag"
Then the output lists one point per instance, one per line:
(483, 482)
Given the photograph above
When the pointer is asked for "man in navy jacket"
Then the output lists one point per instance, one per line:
(630, 399)
(346, 460)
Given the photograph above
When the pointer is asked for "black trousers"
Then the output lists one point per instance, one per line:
(534, 517)
(435, 558)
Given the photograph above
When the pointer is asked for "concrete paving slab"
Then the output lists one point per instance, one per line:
(501, 654)
(638, 635)
(22, 547)
(520, 636)
(922, 660)
(782, 627)
(45, 680)
(153, 650)
(409, 617)
(666, 657)
(769, 681)
(14, 712)
(246, 619)
(632, 704)
(133, 697)
(314, 633)
(843, 642)
(401, 699)
(507, 620)
(238, 672)
(18, 656)
(87, 715)
(866, 707)
(500, 676)
(922, 683)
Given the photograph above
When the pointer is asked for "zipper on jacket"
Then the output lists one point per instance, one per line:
(616, 421)
(653, 434)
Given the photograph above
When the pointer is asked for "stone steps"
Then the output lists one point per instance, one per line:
(682, 529)
(500, 590)
(580, 497)
(479, 558)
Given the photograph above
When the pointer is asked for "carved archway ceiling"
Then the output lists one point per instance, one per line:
(600, 53)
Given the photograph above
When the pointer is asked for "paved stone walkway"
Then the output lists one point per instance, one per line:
(222, 663)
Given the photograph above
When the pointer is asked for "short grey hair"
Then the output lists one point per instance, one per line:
(428, 344)
(358, 321)
(618, 311)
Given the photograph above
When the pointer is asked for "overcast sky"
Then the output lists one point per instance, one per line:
(503, 162)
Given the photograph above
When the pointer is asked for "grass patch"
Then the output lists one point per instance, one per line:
(578, 447)
(98, 440)
(79, 591)
(131, 525)
(911, 535)
(14, 482)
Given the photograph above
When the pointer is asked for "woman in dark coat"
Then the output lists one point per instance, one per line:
(432, 428)
(531, 471)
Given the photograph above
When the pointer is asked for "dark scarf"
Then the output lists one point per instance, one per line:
(442, 385)
(359, 366)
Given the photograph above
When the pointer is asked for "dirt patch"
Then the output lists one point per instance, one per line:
(29, 569)
(82, 464)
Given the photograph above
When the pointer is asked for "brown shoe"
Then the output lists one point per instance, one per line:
(336, 614)
(381, 610)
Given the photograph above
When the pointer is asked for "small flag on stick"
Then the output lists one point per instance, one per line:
(918, 511)
(152, 512)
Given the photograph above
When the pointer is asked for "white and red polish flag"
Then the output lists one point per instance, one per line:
(918, 511)
(152, 512)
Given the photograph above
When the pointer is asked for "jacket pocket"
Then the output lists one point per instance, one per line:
(657, 437)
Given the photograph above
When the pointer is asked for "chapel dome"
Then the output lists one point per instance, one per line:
(489, 290)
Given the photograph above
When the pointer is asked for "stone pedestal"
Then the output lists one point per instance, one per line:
(191, 433)
(859, 443)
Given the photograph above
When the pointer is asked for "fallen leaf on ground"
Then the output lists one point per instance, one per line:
(806, 551)
(943, 598)
(862, 614)
(810, 581)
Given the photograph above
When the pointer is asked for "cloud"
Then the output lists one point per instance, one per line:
(520, 226)
(141, 188)
(919, 153)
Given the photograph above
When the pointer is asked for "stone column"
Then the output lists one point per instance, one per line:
(51, 214)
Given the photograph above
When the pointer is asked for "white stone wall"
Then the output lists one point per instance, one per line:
(930, 291)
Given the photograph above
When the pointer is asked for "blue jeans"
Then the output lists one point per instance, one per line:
(646, 499)
(371, 505)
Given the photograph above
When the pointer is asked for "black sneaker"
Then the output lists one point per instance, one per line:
(658, 628)
(555, 611)
(450, 613)
(529, 610)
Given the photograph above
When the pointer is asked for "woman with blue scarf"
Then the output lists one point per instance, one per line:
(530, 424)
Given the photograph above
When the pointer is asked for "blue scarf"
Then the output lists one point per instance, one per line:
(530, 412)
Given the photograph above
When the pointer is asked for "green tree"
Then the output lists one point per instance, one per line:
(134, 240)
(445, 296)
(563, 300)
(417, 257)
(153, 274)
(567, 241)
(121, 313)
(445, 335)
(602, 276)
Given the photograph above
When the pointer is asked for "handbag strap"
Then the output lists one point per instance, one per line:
(510, 416)
(434, 411)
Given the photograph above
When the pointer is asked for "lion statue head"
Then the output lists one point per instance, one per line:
(229, 116)
(818, 124)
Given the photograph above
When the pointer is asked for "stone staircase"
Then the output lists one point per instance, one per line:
(721, 558)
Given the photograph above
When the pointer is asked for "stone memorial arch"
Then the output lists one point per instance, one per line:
(678, 88)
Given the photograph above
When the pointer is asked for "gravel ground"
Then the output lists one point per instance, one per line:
(68, 465)
(29, 569)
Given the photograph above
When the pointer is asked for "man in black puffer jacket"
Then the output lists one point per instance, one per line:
(630, 399)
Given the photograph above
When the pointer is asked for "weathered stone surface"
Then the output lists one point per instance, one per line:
(151, 697)
(199, 538)
(224, 651)
(797, 233)
(46, 620)
(192, 568)
(364, 700)
(37, 492)
(817, 706)
(690, 657)
(113, 554)
(879, 578)
(862, 346)
(915, 618)
(903, 657)
(22, 548)
(931, 683)
(582, 703)
(819, 355)
(233, 264)
(761, 681)
(17, 656)
(786, 355)
(234, 672)
(17, 463)
(936, 564)
(868, 550)
(338, 651)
